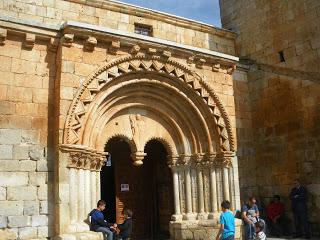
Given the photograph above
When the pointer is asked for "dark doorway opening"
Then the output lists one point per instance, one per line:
(146, 189)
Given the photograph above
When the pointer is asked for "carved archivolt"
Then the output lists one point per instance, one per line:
(140, 63)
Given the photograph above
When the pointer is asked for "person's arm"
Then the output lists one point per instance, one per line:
(245, 218)
(220, 231)
(124, 226)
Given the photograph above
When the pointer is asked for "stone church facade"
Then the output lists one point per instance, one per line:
(78, 81)
(144, 109)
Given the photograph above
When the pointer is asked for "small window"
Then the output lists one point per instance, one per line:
(281, 56)
(143, 29)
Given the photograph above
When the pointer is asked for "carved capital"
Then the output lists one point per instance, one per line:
(3, 35)
(82, 157)
(137, 158)
(30, 40)
(224, 159)
(172, 160)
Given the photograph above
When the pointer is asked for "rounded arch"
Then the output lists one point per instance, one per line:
(109, 72)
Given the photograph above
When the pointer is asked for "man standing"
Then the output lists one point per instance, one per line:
(298, 197)
(98, 224)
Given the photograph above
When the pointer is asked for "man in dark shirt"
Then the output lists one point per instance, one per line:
(98, 224)
(298, 197)
(126, 227)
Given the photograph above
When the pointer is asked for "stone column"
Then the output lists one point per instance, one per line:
(87, 192)
(236, 186)
(81, 196)
(231, 182)
(226, 184)
(98, 189)
(93, 189)
(73, 195)
(188, 194)
(177, 211)
(200, 194)
(213, 191)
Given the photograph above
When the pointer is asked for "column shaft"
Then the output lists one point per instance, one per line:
(200, 192)
(213, 185)
(188, 191)
(176, 192)
(93, 189)
(73, 194)
(226, 191)
(87, 192)
(81, 196)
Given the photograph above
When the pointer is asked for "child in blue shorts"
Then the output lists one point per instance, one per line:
(227, 227)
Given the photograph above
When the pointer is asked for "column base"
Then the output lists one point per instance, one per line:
(190, 216)
(176, 217)
(199, 229)
(214, 215)
(202, 216)
(80, 236)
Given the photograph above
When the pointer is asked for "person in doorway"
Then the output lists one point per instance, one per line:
(98, 224)
(298, 197)
(227, 227)
(126, 227)
(259, 234)
(250, 215)
(275, 217)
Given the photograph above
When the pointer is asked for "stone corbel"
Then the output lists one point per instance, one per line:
(200, 62)
(166, 53)
(137, 158)
(114, 47)
(190, 60)
(67, 39)
(135, 49)
(216, 67)
(231, 69)
(152, 51)
(3, 35)
(30, 40)
(90, 44)
(53, 44)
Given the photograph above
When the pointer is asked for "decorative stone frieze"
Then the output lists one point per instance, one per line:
(81, 157)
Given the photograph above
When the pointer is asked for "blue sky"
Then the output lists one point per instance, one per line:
(206, 11)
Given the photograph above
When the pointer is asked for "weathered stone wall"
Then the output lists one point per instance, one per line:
(117, 16)
(26, 157)
(277, 112)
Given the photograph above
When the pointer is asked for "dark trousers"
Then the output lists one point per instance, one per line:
(301, 223)
(280, 227)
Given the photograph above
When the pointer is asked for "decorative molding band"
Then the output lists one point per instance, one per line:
(82, 157)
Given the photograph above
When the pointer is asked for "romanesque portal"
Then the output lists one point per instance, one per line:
(138, 100)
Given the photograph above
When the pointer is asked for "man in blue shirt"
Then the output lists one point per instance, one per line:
(98, 224)
(227, 227)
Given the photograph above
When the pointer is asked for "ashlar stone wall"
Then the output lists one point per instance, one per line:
(277, 103)
(26, 158)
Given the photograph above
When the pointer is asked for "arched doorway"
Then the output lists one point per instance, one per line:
(146, 189)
